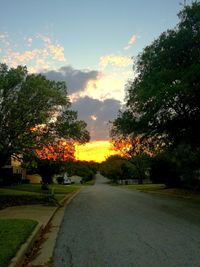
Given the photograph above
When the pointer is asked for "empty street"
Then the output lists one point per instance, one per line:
(110, 226)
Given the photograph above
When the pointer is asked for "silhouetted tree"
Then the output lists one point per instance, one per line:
(164, 99)
(33, 112)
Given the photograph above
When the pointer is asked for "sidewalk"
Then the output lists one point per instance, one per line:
(46, 216)
(39, 213)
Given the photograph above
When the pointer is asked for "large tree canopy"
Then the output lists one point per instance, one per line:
(33, 112)
(164, 99)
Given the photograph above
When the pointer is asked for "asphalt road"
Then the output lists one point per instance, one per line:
(110, 226)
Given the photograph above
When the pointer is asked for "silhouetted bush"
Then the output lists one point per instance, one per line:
(164, 170)
(25, 181)
(60, 179)
(177, 167)
(17, 178)
(188, 162)
(17, 200)
(7, 177)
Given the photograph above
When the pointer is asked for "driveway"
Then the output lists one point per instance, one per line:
(111, 226)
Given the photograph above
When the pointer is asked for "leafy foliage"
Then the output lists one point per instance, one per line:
(59, 150)
(164, 170)
(163, 101)
(33, 112)
(118, 168)
(45, 167)
(177, 167)
(142, 165)
(164, 98)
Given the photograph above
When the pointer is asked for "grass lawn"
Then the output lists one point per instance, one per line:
(60, 191)
(32, 193)
(8, 191)
(35, 189)
(161, 189)
(145, 187)
(13, 233)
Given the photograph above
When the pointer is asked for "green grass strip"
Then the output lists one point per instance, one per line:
(13, 233)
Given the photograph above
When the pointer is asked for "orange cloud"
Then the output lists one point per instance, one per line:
(97, 151)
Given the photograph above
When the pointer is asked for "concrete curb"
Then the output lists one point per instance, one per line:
(45, 253)
(65, 201)
(19, 257)
(39, 229)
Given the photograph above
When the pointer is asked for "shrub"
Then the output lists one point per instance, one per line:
(164, 170)
(17, 178)
(60, 179)
(25, 181)
(17, 200)
(6, 175)
(188, 162)
(44, 187)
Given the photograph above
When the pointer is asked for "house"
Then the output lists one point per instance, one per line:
(76, 179)
(17, 167)
(12, 172)
(34, 178)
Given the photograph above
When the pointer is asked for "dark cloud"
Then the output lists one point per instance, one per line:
(103, 111)
(94, 112)
(76, 80)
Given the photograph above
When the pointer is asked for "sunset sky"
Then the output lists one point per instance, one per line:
(90, 44)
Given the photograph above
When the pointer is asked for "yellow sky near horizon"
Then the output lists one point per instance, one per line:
(95, 150)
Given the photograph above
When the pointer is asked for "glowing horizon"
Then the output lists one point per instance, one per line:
(94, 151)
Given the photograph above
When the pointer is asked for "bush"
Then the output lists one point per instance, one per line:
(44, 187)
(60, 179)
(17, 200)
(17, 178)
(25, 181)
(164, 170)
(7, 177)
(188, 162)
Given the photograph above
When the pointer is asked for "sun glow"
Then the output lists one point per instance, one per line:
(97, 151)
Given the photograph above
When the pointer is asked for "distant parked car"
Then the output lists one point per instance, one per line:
(67, 180)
